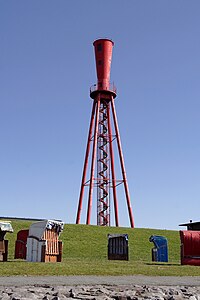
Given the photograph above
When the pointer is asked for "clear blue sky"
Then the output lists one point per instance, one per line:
(46, 69)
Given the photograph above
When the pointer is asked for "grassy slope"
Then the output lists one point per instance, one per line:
(85, 252)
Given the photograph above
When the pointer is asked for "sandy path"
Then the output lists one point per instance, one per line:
(95, 280)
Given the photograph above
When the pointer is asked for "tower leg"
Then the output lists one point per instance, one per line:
(112, 169)
(93, 161)
(122, 163)
(85, 164)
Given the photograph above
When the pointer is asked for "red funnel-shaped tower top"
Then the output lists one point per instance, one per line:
(103, 56)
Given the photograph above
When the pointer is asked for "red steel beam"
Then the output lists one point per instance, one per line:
(122, 163)
(85, 164)
(93, 160)
(112, 167)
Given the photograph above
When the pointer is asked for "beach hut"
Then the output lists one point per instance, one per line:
(43, 243)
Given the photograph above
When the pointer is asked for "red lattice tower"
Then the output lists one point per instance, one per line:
(102, 134)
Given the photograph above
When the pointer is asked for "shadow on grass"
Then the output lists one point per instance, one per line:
(162, 264)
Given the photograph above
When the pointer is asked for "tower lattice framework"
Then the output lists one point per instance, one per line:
(102, 134)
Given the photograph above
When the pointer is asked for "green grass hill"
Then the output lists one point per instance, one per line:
(85, 253)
